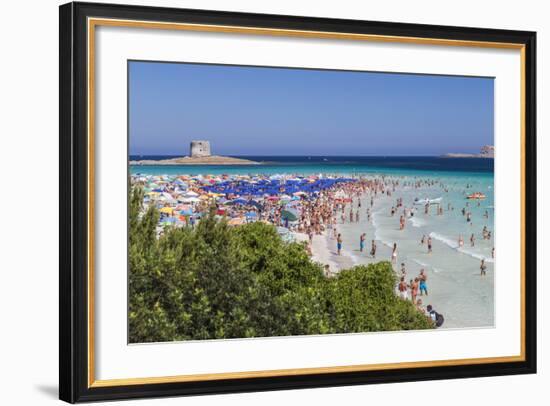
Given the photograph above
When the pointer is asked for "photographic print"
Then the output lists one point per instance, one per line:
(269, 201)
(256, 202)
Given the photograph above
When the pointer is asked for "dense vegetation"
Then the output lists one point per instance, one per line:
(218, 281)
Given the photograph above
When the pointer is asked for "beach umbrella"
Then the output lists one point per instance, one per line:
(255, 204)
(190, 193)
(166, 210)
(237, 201)
(289, 215)
(191, 200)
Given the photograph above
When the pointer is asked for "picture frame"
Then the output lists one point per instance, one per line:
(77, 284)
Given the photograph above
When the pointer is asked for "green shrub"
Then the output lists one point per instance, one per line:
(217, 281)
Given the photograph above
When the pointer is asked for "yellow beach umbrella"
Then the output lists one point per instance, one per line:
(167, 210)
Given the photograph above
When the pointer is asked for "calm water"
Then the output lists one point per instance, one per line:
(455, 287)
(328, 164)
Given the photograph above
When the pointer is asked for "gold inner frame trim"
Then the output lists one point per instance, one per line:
(94, 22)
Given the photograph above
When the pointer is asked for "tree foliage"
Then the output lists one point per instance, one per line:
(218, 281)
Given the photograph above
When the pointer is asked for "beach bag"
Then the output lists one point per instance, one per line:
(439, 319)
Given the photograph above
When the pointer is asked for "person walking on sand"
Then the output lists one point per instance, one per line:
(402, 287)
(373, 249)
(339, 243)
(483, 268)
(362, 242)
(414, 290)
(429, 244)
(423, 287)
(394, 253)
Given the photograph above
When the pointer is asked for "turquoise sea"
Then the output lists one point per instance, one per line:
(455, 286)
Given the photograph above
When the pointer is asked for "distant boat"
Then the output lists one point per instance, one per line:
(476, 196)
(427, 201)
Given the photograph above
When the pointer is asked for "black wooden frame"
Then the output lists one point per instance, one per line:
(73, 329)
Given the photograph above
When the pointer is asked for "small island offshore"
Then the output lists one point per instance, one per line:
(199, 154)
(487, 151)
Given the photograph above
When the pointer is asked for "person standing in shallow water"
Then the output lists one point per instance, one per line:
(414, 289)
(429, 245)
(394, 253)
(362, 242)
(339, 243)
(483, 268)
(423, 287)
(373, 249)
(402, 288)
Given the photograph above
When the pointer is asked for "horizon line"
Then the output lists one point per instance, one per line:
(317, 156)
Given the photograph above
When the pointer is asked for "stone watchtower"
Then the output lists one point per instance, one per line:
(200, 148)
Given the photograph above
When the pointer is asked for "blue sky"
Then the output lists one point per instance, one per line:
(274, 111)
